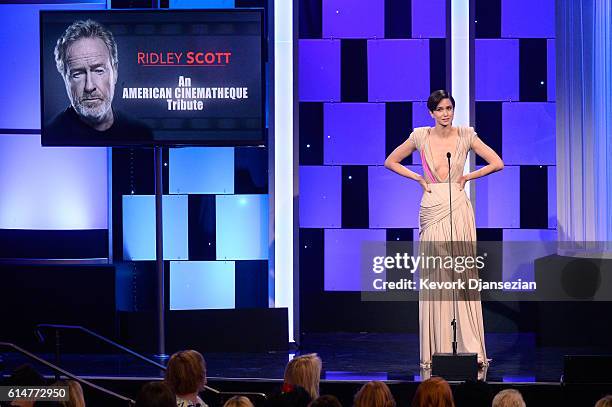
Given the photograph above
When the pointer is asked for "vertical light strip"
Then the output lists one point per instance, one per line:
(109, 181)
(460, 64)
(283, 158)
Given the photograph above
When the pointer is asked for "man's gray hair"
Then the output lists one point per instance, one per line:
(84, 29)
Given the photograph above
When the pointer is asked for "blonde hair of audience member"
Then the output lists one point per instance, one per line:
(434, 392)
(75, 393)
(508, 398)
(238, 401)
(186, 374)
(604, 402)
(374, 394)
(305, 371)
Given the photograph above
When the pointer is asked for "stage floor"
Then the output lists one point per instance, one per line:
(346, 357)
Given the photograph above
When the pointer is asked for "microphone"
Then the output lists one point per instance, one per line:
(450, 208)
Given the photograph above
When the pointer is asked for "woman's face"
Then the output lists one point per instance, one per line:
(444, 113)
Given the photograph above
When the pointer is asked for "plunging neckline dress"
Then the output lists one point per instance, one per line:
(436, 307)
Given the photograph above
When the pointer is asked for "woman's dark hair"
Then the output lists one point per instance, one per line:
(325, 401)
(25, 375)
(156, 394)
(436, 97)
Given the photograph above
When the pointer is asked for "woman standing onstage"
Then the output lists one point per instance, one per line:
(433, 144)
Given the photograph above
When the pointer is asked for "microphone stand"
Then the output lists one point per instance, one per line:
(450, 207)
(454, 366)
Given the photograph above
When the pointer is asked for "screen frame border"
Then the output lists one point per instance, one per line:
(262, 141)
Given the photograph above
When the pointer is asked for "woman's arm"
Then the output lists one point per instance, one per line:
(494, 162)
(395, 158)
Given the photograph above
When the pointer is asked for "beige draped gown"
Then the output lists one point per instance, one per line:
(436, 308)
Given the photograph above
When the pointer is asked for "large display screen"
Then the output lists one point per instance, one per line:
(155, 77)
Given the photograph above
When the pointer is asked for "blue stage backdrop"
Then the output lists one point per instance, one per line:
(366, 69)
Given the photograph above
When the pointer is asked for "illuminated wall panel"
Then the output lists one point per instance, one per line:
(420, 115)
(393, 200)
(202, 170)
(320, 197)
(242, 227)
(354, 133)
(528, 19)
(497, 69)
(353, 19)
(343, 257)
(528, 133)
(51, 188)
(393, 74)
(429, 19)
(498, 199)
(139, 227)
(202, 285)
(319, 73)
(202, 4)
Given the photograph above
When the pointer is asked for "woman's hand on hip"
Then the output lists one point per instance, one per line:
(462, 180)
(424, 185)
